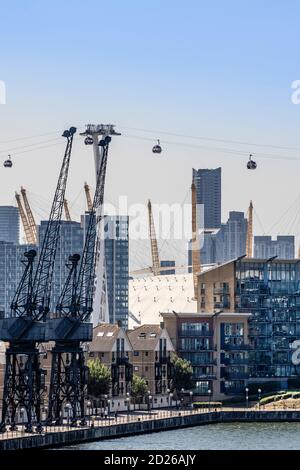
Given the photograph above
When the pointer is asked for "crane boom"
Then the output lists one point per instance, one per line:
(249, 241)
(27, 229)
(45, 268)
(29, 213)
(67, 211)
(195, 242)
(24, 382)
(88, 197)
(153, 241)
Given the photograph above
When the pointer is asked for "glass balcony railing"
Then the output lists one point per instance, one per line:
(235, 347)
(234, 361)
(196, 334)
(235, 375)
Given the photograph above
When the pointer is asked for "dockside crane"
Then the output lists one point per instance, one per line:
(249, 240)
(25, 326)
(71, 325)
(29, 213)
(30, 239)
(67, 210)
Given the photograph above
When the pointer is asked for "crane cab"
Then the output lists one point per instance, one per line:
(8, 162)
(157, 148)
(251, 164)
(88, 141)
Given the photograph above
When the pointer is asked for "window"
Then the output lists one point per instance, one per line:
(136, 353)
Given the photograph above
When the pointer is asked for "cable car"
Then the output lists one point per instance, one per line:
(251, 164)
(157, 148)
(8, 162)
(88, 141)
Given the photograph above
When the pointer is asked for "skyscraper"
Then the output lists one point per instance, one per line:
(208, 191)
(116, 262)
(9, 224)
(234, 235)
(283, 247)
(11, 270)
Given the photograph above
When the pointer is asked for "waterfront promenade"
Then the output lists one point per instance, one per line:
(138, 423)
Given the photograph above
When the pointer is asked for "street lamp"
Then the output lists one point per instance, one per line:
(182, 397)
(259, 396)
(209, 396)
(247, 396)
(108, 407)
(150, 403)
(89, 411)
(191, 398)
(68, 408)
(22, 412)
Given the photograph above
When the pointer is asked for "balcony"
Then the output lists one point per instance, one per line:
(196, 334)
(236, 375)
(234, 391)
(222, 305)
(236, 347)
(221, 291)
(208, 348)
(232, 361)
(122, 360)
(209, 376)
(163, 359)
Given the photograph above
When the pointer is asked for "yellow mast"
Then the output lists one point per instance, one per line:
(153, 240)
(30, 216)
(67, 212)
(88, 197)
(28, 232)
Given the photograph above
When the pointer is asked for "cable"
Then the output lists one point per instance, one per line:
(211, 139)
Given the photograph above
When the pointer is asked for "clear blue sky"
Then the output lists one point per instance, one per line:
(205, 68)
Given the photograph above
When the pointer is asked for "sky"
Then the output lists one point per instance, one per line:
(200, 76)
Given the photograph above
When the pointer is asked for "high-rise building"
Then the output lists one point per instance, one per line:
(11, 270)
(234, 236)
(116, 263)
(208, 194)
(267, 290)
(283, 247)
(9, 224)
(224, 244)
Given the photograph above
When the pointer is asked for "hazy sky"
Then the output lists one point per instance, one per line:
(213, 70)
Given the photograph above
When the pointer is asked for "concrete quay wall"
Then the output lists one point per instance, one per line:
(76, 436)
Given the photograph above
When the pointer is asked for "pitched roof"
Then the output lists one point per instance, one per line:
(145, 337)
(104, 337)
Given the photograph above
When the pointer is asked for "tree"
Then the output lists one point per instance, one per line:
(182, 376)
(99, 378)
(139, 388)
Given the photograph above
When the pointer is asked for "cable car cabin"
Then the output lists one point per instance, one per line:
(88, 141)
(8, 163)
(251, 165)
(157, 148)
